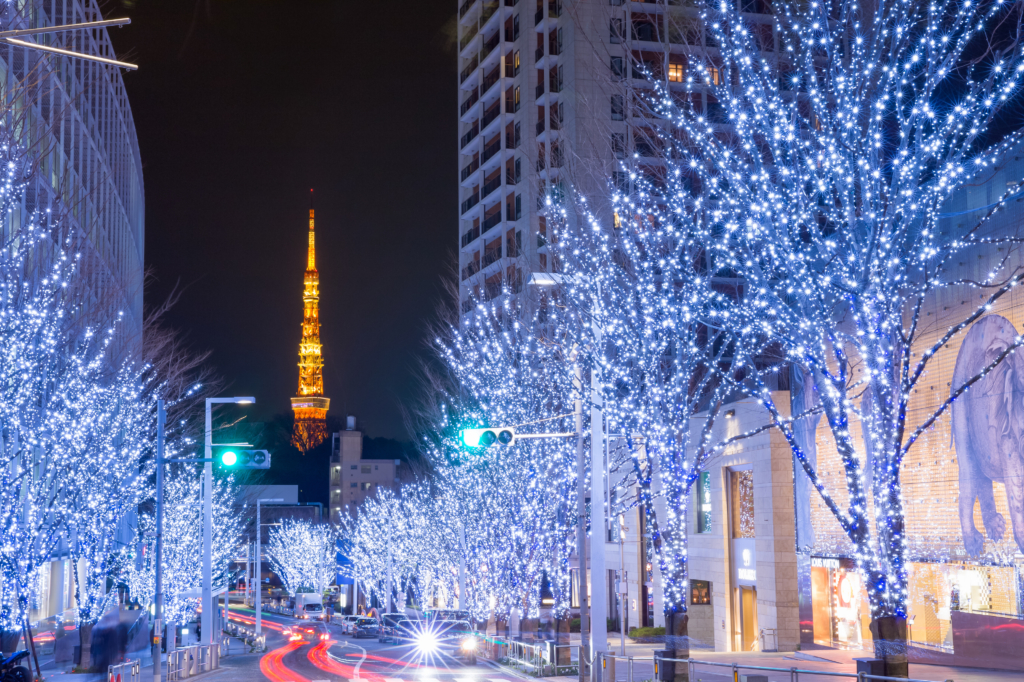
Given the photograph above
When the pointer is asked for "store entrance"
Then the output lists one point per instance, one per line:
(747, 603)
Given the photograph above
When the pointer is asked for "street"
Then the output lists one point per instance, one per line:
(342, 657)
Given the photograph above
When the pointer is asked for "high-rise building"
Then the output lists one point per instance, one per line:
(310, 406)
(530, 86)
(75, 125)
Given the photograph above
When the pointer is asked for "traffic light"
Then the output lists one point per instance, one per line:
(233, 458)
(485, 438)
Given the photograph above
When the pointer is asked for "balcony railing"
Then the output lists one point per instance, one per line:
(468, 137)
(489, 10)
(512, 212)
(468, 71)
(471, 269)
(512, 140)
(492, 255)
(470, 202)
(539, 90)
(511, 3)
(490, 115)
(465, 8)
(470, 169)
(490, 222)
(468, 37)
(490, 80)
(491, 186)
(491, 44)
(540, 127)
(492, 149)
(511, 177)
(511, 106)
(473, 98)
(470, 236)
(467, 305)
(538, 54)
(512, 34)
(555, 84)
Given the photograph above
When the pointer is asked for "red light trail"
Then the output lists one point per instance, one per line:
(274, 668)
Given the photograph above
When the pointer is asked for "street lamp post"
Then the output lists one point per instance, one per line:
(259, 565)
(598, 524)
(207, 619)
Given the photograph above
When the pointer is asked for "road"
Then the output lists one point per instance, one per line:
(344, 658)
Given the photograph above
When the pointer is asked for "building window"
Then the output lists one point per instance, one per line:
(367, 485)
(621, 181)
(515, 66)
(715, 76)
(353, 467)
(619, 145)
(704, 502)
(364, 469)
(353, 484)
(742, 503)
(700, 592)
(616, 31)
(617, 67)
(618, 108)
(515, 105)
(675, 73)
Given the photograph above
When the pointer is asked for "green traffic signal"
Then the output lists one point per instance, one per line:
(244, 459)
(485, 438)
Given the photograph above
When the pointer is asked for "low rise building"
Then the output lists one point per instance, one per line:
(353, 478)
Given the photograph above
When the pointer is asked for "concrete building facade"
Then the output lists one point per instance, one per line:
(353, 478)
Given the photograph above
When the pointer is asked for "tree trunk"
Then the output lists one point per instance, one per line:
(85, 647)
(890, 635)
(677, 643)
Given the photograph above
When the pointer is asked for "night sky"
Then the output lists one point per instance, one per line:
(241, 107)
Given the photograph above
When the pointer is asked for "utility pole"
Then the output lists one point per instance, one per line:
(581, 524)
(463, 602)
(598, 527)
(259, 565)
(158, 607)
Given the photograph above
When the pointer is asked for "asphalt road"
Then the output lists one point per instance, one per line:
(345, 658)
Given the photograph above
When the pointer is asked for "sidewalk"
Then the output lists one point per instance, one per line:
(812, 659)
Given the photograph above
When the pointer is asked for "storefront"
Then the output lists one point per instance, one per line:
(839, 601)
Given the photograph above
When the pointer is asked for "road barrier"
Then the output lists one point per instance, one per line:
(541, 659)
(662, 671)
(247, 635)
(129, 671)
(191, 660)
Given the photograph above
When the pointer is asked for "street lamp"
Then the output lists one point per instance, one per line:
(259, 565)
(13, 37)
(207, 617)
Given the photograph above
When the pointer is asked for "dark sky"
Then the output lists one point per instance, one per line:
(241, 107)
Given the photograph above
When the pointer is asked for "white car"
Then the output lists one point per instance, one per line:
(347, 623)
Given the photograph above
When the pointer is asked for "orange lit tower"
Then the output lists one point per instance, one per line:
(310, 406)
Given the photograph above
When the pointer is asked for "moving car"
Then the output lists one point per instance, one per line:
(365, 627)
(398, 630)
(455, 638)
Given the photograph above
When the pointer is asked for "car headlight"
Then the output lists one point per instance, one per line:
(426, 642)
(469, 644)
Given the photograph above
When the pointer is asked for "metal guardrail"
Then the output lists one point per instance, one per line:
(129, 671)
(248, 635)
(794, 673)
(541, 659)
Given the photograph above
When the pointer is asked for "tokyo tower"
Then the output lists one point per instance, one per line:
(310, 405)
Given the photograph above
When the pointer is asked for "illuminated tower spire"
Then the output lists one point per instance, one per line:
(310, 406)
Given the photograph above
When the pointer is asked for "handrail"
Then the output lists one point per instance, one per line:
(794, 672)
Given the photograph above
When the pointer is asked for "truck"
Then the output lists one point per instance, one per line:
(308, 606)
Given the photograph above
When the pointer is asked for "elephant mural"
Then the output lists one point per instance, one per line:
(988, 431)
